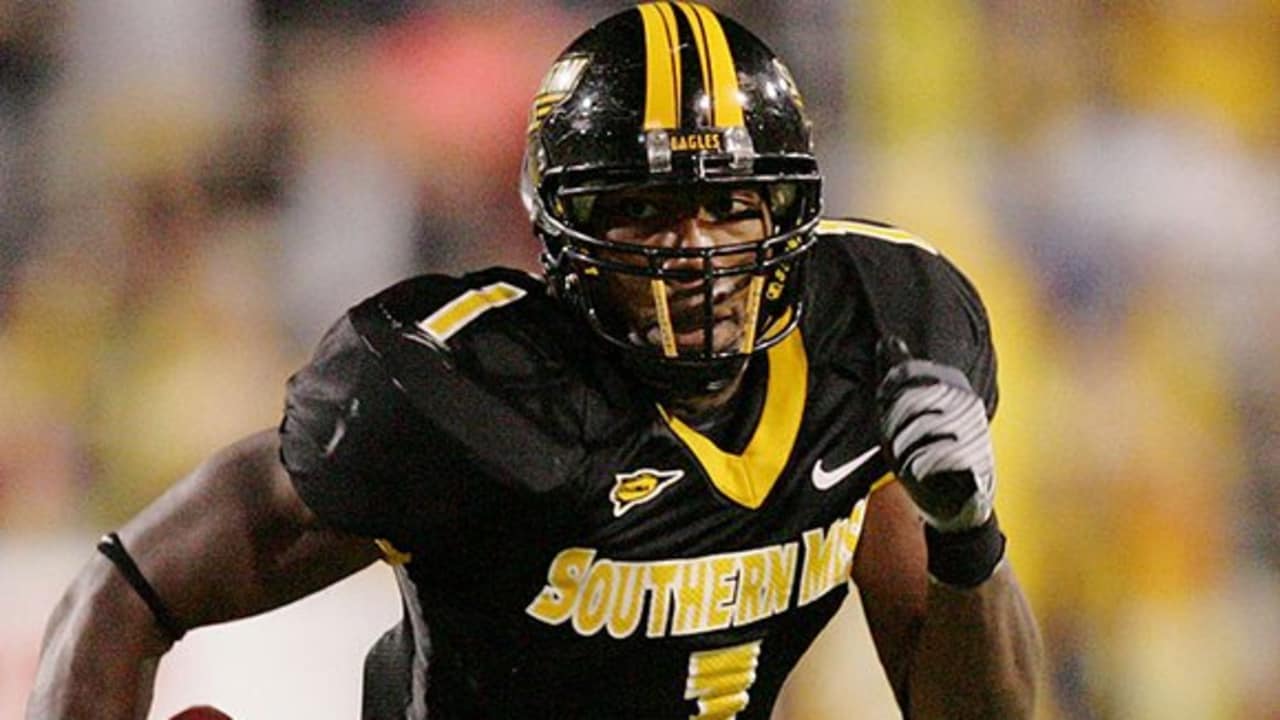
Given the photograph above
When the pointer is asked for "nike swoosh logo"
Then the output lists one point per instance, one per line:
(824, 479)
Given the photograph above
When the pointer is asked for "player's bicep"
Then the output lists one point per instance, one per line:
(890, 572)
(234, 539)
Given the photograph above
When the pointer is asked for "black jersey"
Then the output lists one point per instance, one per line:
(574, 549)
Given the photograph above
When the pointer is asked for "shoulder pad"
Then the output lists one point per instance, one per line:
(873, 229)
(497, 364)
(905, 287)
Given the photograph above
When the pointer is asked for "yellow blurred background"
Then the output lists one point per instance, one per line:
(191, 192)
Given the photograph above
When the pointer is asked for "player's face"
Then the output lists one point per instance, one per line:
(703, 217)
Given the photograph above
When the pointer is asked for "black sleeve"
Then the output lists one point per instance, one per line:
(916, 293)
(960, 332)
(345, 436)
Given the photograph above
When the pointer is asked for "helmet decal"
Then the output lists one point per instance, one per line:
(556, 86)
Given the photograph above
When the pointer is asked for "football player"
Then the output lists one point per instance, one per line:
(639, 485)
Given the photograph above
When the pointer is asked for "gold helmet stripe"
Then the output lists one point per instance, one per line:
(662, 67)
(719, 73)
(673, 37)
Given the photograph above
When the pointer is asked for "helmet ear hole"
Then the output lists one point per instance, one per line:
(782, 200)
(580, 207)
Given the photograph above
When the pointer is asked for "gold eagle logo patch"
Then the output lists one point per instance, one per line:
(640, 486)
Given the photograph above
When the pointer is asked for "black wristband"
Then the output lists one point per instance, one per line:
(965, 559)
(111, 546)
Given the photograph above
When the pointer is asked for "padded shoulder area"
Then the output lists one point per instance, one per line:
(499, 365)
(895, 283)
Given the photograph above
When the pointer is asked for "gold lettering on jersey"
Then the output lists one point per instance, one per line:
(753, 589)
(688, 596)
(628, 600)
(457, 313)
(557, 601)
(662, 577)
(724, 586)
(828, 559)
(597, 596)
(691, 592)
(691, 142)
(780, 570)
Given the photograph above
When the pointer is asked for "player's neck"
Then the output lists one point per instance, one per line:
(695, 409)
(703, 410)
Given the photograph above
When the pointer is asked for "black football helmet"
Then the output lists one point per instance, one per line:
(672, 94)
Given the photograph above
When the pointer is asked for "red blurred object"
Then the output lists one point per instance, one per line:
(201, 712)
(457, 87)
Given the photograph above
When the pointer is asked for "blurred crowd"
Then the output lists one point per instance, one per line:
(191, 192)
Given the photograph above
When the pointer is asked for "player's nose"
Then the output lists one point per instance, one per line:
(689, 234)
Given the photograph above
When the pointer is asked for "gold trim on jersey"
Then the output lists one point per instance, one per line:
(880, 232)
(391, 554)
(662, 67)
(455, 314)
(747, 478)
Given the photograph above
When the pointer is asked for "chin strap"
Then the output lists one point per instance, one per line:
(111, 546)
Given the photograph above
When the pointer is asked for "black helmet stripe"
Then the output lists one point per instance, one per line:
(719, 75)
(662, 67)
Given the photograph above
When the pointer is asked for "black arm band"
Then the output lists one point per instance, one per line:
(965, 559)
(111, 546)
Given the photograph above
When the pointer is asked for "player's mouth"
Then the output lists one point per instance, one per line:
(691, 336)
(689, 323)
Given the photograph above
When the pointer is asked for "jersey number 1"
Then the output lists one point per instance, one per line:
(719, 680)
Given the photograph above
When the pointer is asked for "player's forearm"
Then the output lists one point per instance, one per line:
(979, 653)
(101, 650)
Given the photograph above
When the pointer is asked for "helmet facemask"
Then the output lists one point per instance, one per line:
(686, 316)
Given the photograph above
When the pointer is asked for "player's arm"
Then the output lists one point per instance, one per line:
(948, 652)
(233, 539)
(949, 619)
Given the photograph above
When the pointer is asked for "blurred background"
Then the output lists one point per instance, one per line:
(191, 192)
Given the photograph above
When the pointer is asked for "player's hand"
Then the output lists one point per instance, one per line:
(934, 433)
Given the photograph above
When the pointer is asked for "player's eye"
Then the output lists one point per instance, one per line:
(638, 209)
(732, 207)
